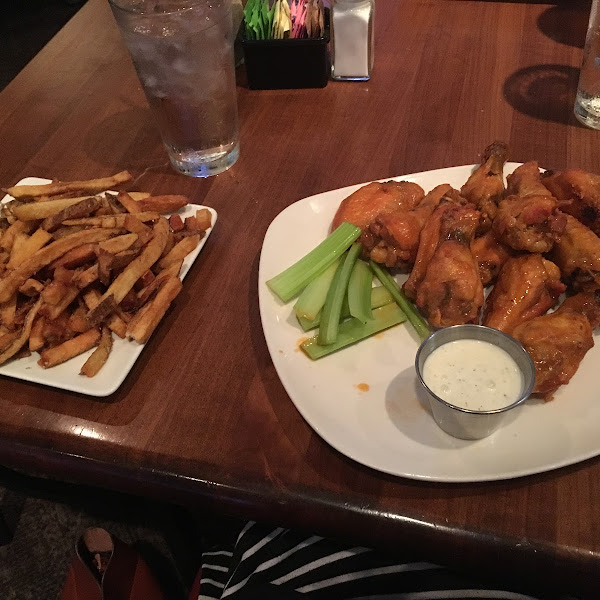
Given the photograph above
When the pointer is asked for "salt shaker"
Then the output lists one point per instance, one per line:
(353, 39)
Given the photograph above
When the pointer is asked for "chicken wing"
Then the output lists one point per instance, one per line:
(393, 239)
(578, 194)
(577, 255)
(448, 290)
(365, 204)
(490, 255)
(528, 219)
(557, 342)
(485, 186)
(527, 287)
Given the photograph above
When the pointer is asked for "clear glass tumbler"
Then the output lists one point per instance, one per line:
(587, 102)
(183, 54)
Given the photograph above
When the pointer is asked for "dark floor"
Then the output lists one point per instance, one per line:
(26, 26)
(41, 520)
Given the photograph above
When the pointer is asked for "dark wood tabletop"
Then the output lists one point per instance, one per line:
(202, 419)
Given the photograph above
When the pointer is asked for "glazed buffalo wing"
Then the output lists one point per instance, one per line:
(578, 194)
(393, 239)
(365, 204)
(528, 219)
(527, 287)
(445, 280)
(490, 255)
(558, 342)
(577, 254)
(485, 187)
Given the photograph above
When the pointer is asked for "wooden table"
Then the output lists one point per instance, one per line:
(203, 419)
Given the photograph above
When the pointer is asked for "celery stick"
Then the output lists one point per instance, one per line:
(296, 277)
(332, 310)
(359, 291)
(413, 315)
(311, 300)
(353, 331)
(379, 297)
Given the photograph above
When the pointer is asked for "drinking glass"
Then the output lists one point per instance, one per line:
(182, 51)
(587, 102)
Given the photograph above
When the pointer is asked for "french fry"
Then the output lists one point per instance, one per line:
(8, 238)
(8, 312)
(139, 195)
(176, 222)
(99, 356)
(130, 205)
(53, 293)
(52, 312)
(204, 218)
(74, 211)
(21, 340)
(7, 337)
(76, 257)
(162, 204)
(146, 292)
(140, 328)
(15, 279)
(179, 251)
(34, 211)
(36, 336)
(87, 277)
(62, 232)
(127, 278)
(56, 331)
(30, 245)
(112, 221)
(16, 254)
(115, 323)
(132, 223)
(90, 186)
(31, 287)
(119, 243)
(77, 321)
(69, 349)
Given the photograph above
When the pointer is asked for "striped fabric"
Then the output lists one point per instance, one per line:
(280, 564)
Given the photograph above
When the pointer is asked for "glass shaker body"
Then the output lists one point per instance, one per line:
(353, 39)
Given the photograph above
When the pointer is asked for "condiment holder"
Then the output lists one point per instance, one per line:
(291, 63)
(467, 423)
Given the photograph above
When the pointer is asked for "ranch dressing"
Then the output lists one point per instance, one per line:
(473, 374)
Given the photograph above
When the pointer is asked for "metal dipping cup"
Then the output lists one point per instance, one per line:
(182, 51)
(462, 422)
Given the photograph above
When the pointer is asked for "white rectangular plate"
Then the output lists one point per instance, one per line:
(365, 400)
(124, 352)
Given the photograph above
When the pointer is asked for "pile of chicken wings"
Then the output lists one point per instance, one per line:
(529, 243)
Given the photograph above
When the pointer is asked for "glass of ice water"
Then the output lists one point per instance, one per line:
(183, 54)
(587, 102)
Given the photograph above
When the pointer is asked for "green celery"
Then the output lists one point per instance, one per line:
(359, 291)
(353, 331)
(311, 300)
(379, 297)
(332, 310)
(296, 277)
(413, 315)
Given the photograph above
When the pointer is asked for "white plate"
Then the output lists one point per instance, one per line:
(389, 427)
(124, 352)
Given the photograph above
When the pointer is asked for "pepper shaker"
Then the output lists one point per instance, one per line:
(352, 39)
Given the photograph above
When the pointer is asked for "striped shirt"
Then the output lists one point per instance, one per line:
(281, 564)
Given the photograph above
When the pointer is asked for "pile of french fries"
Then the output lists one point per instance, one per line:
(79, 263)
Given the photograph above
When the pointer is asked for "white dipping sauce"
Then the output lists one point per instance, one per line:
(473, 374)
